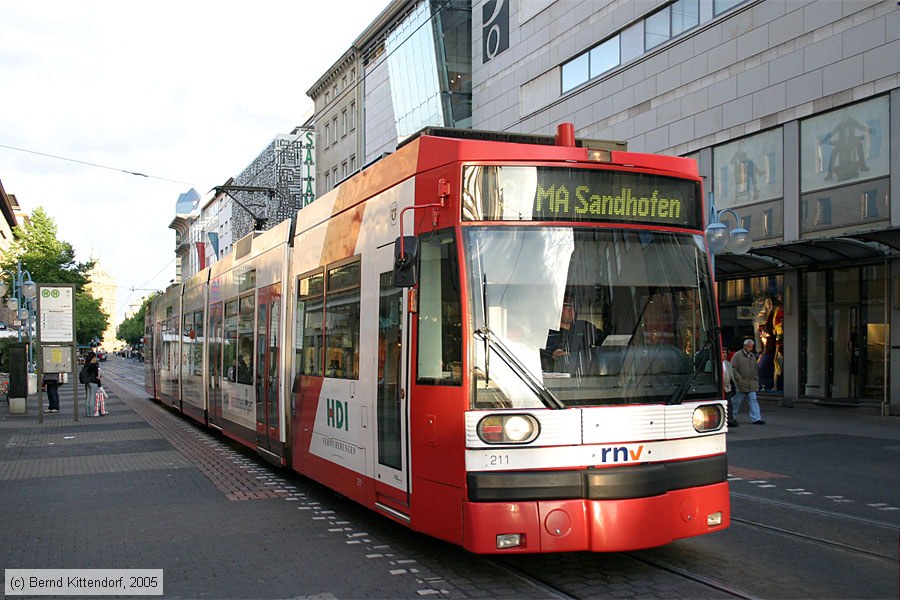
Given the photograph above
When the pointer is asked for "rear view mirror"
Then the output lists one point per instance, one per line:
(406, 261)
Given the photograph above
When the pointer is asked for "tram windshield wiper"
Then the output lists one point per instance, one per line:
(700, 360)
(547, 397)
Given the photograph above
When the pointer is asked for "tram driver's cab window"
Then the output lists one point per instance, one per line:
(439, 317)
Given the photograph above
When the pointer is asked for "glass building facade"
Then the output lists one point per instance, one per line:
(430, 67)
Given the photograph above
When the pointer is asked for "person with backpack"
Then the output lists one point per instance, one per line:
(90, 377)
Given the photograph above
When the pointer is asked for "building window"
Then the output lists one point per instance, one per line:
(657, 28)
(327, 181)
(334, 129)
(352, 116)
(720, 6)
(593, 63)
(845, 145)
(748, 175)
(353, 164)
(604, 57)
(685, 15)
(327, 134)
(749, 169)
(334, 176)
(667, 23)
(344, 122)
(823, 211)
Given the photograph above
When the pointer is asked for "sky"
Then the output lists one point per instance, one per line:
(158, 98)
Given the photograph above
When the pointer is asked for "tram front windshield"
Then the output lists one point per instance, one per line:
(568, 316)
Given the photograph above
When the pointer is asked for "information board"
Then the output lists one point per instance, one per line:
(56, 314)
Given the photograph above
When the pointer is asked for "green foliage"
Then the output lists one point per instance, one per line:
(90, 319)
(132, 329)
(36, 245)
(4, 353)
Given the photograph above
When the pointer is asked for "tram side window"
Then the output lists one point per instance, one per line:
(197, 364)
(440, 321)
(170, 344)
(192, 336)
(342, 295)
(231, 335)
(308, 337)
(245, 340)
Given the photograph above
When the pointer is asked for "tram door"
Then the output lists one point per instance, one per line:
(216, 347)
(392, 467)
(268, 348)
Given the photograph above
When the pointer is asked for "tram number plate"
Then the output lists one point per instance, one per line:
(498, 460)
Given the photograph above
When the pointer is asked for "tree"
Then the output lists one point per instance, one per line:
(132, 329)
(48, 259)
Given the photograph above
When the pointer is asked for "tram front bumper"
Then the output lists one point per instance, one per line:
(581, 524)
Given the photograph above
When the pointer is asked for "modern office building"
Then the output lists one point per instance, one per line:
(792, 110)
(410, 68)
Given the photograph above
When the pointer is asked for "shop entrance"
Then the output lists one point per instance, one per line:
(842, 334)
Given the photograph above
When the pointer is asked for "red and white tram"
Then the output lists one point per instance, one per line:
(508, 342)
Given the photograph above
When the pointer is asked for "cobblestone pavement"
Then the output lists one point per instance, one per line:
(144, 488)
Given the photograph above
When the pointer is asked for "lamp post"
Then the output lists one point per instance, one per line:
(736, 241)
(24, 290)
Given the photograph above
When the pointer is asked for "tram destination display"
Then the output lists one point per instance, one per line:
(514, 193)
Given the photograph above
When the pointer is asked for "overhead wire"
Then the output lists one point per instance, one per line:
(90, 164)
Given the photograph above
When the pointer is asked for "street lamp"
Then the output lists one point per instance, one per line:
(737, 241)
(24, 291)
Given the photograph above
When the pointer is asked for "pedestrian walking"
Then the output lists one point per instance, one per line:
(728, 384)
(746, 381)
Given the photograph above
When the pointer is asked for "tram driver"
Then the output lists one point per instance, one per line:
(568, 349)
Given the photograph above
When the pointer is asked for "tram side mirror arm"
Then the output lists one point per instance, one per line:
(406, 261)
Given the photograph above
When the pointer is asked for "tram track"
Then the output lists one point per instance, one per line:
(587, 589)
(586, 575)
(690, 576)
(821, 541)
(547, 586)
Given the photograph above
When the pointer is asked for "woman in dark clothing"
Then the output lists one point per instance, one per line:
(92, 368)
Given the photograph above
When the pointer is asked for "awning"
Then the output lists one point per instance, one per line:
(888, 237)
(728, 265)
(819, 252)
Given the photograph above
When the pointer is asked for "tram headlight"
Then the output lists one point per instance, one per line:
(508, 429)
(708, 417)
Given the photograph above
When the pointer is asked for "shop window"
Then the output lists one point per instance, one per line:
(823, 211)
(846, 145)
(748, 170)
